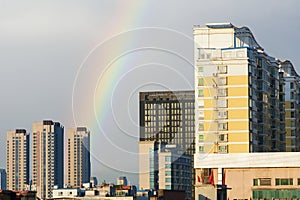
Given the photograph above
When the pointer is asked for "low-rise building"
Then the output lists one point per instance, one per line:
(248, 176)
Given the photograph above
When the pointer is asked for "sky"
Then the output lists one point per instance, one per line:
(83, 63)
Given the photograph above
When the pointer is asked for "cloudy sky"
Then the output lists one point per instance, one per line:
(82, 63)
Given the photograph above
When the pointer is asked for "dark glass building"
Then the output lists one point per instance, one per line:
(168, 116)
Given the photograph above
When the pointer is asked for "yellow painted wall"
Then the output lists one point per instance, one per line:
(232, 103)
(238, 114)
(238, 148)
(238, 125)
(240, 91)
(238, 137)
(237, 80)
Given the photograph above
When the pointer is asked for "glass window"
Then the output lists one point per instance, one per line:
(200, 81)
(201, 137)
(168, 180)
(283, 181)
(168, 159)
(200, 93)
(201, 148)
(201, 127)
(168, 166)
(200, 69)
(168, 173)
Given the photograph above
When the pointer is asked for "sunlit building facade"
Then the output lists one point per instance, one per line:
(17, 160)
(79, 164)
(47, 157)
(246, 102)
(291, 92)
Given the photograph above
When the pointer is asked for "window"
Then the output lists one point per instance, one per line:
(201, 114)
(222, 69)
(222, 81)
(200, 81)
(201, 127)
(168, 159)
(200, 93)
(223, 137)
(200, 69)
(283, 181)
(292, 95)
(222, 126)
(292, 114)
(292, 85)
(201, 103)
(292, 105)
(222, 149)
(222, 114)
(201, 148)
(222, 92)
(259, 62)
(168, 173)
(222, 103)
(201, 137)
(168, 166)
(262, 182)
(168, 180)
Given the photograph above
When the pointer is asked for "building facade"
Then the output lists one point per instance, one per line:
(17, 160)
(122, 180)
(2, 179)
(164, 166)
(238, 104)
(79, 164)
(169, 117)
(291, 91)
(246, 102)
(250, 175)
(48, 157)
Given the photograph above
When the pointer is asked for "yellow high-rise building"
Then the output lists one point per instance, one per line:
(237, 92)
(245, 102)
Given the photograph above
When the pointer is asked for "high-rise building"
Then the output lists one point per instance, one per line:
(169, 117)
(246, 102)
(79, 165)
(292, 106)
(164, 166)
(17, 160)
(2, 179)
(48, 157)
(239, 107)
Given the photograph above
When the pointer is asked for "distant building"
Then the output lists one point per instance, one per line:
(17, 195)
(2, 179)
(67, 193)
(291, 89)
(164, 166)
(79, 164)
(17, 160)
(94, 181)
(169, 117)
(122, 180)
(48, 157)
